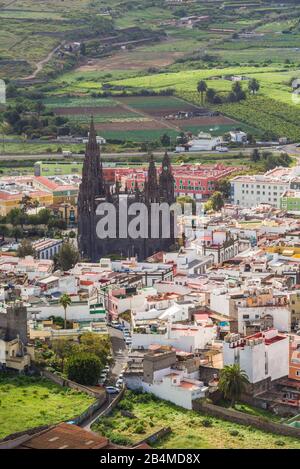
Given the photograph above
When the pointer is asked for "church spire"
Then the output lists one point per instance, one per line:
(92, 146)
(151, 186)
(166, 181)
(92, 187)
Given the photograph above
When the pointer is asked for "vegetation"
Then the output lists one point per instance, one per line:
(56, 355)
(232, 382)
(28, 402)
(67, 257)
(84, 368)
(189, 429)
(215, 202)
(65, 301)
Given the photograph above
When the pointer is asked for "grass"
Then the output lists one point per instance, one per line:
(189, 429)
(27, 402)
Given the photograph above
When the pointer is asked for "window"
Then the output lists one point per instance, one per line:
(298, 373)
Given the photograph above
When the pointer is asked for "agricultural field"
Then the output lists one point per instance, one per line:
(138, 118)
(28, 402)
(190, 430)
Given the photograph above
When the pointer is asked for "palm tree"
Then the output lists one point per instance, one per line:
(253, 86)
(232, 382)
(201, 88)
(65, 301)
(36, 205)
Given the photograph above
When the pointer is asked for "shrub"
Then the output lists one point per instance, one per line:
(121, 440)
(140, 428)
(125, 405)
(279, 443)
(207, 423)
(234, 433)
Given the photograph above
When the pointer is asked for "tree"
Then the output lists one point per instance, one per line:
(3, 231)
(65, 301)
(68, 256)
(237, 93)
(25, 249)
(84, 368)
(63, 349)
(253, 86)
(217, 201)
(210, 95)
(232, 382)
(202, 88)
(165, 140)
(82, 49)
(39, 108)
(224, 186)
(36, 204)
(16, 232)
(255, 155)
(97, 344)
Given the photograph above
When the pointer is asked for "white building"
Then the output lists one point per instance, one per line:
(280, 317)
(203, 142)
(173, 386)
(188, 338)
(47, 248)
(250, 191)
(262, 355)
(238, 136)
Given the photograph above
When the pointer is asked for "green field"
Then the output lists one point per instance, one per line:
(28, 402)
(189, 429)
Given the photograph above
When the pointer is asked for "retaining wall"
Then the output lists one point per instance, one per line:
(245, 419)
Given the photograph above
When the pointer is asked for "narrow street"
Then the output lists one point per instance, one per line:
(120, 354)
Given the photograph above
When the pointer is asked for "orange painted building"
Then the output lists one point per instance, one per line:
(294, 367)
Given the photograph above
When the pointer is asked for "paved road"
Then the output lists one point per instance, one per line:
(120, 354)
(291, 149)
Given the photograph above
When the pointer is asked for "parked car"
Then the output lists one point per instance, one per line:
(112, 390)
(119, 382)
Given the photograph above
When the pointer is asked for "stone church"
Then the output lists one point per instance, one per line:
(94, 190)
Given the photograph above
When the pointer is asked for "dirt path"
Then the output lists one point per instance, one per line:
(3, 7)
(161, 121)
(39, 65)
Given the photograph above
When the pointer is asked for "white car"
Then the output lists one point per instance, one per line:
(119, 382)
(222, 149)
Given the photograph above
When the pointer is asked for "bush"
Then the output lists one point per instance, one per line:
(140, 428)
(120, 440)
(207, 423)
(234, 433)
(125, 405)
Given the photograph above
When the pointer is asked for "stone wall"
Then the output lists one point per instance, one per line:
(245, 419)
(113, 404)
(71, 384)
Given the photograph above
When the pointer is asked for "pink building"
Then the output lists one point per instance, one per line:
(197, 181)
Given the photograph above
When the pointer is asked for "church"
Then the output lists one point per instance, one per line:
(94, 190)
